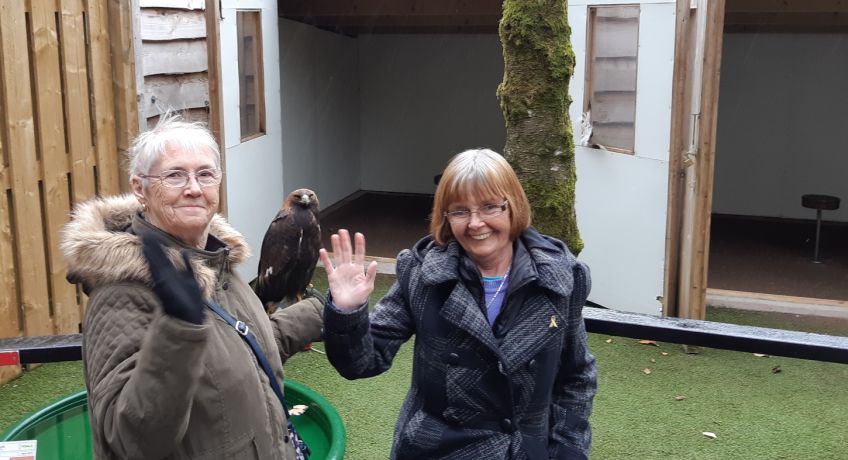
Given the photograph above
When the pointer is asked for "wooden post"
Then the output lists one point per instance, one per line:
(216, 93)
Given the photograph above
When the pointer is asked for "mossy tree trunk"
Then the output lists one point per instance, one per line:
(538, 64)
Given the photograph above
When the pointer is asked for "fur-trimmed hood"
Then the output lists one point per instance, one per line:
(99, 249)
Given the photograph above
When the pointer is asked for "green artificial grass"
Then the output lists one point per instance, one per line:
(758, 407)
(36, 388)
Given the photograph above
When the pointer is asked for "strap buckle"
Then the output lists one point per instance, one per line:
(242, 328)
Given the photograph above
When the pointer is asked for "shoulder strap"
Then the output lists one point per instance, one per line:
(248, 337)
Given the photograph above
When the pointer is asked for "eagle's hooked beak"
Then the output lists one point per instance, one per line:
(304, 199)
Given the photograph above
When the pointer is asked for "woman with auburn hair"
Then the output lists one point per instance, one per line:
(501, 366)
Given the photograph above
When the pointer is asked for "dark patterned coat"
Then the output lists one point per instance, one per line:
(520, 389)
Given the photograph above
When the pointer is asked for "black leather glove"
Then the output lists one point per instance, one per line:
(177, 289)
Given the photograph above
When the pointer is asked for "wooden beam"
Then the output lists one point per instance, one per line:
(168, 24)
(177, 56)
(807, 22)
(298, 9)
(775, 342)
(403, 16)
(681, 105)
(786, 6)
(706, 150)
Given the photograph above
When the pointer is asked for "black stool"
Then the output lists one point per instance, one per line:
(819, 202)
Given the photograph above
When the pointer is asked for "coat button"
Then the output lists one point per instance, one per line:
(452, 418)
(507, 425)
(532, 365)
(453, 358)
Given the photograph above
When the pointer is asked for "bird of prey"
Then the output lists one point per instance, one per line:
(289, 251)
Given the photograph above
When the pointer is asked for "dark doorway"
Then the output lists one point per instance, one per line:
(775, 256)
(390, 222)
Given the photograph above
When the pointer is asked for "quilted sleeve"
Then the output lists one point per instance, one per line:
(359, 345)
(297, 325)
(141, 370)
(574, 389)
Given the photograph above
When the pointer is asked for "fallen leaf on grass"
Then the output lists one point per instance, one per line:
(760, 355)
(653, 360)
(298, 409)
(609, 340)
(776, 370)
(710, 434)
(649, 342)
(679, 398)
(691, 349)
(664, 353)
(646, 371)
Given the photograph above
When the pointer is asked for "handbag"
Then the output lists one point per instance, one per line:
(302, 451)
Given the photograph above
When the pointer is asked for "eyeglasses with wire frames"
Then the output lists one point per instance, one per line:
(177, 178)
(485, 212)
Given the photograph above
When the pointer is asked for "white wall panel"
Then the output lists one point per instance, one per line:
(622, 199)
(782, 124)
(425, 98)
(254, 167)
(621, 211)
(320, 110)
(654, 80)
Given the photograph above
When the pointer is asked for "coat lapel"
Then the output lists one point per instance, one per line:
(539, 320)
(538, 323)
(462, 311)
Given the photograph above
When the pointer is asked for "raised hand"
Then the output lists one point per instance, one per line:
(350, 281)
(177, 289)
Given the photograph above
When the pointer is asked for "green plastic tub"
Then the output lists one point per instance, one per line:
(62, 429)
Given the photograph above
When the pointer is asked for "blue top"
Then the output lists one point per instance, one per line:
(494, 292)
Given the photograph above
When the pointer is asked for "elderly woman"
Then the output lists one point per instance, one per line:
(501, 366)
(167, 377)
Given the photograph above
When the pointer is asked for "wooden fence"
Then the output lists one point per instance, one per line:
(67, 112)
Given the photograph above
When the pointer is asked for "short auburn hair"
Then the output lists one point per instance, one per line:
(478, 173)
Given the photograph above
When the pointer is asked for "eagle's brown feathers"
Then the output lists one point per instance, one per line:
(289, 251)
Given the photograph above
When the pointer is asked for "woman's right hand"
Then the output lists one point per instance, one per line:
(351, 283)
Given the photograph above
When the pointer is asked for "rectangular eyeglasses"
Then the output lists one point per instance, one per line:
(178, 178)
(485, 212)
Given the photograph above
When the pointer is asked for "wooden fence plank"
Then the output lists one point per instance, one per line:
(20, 135)
(170, 24)
(51, 135)
(123, 77)
(72, 36)
(108, 162)
(178, 56)
(9, 321)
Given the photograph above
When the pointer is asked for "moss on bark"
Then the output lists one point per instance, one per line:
(538, 65)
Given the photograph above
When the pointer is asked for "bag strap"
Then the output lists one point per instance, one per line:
(248, 337)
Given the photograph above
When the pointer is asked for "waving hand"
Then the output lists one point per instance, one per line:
(350, 281)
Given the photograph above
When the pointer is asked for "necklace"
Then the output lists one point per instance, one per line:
(489, 303)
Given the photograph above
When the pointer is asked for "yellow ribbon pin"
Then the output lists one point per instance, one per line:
(553, 322)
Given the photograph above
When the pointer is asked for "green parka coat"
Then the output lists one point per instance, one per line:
(160, 387)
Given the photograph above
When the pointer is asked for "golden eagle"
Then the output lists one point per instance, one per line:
(289, 251)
